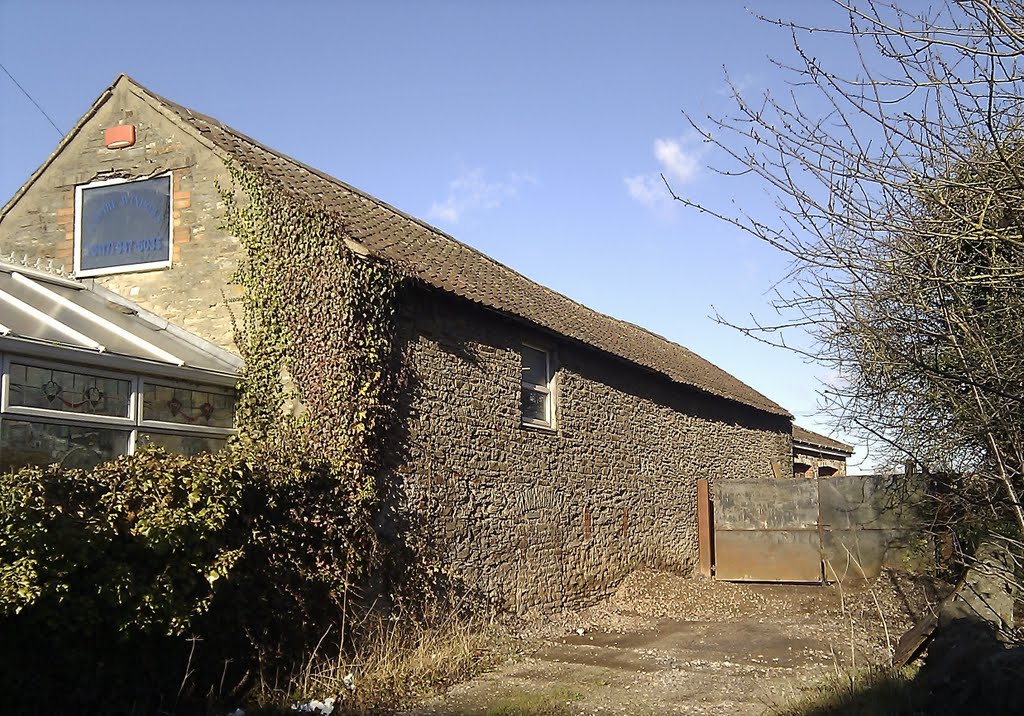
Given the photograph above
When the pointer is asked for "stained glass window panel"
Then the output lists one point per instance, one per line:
(69, 391)
(189, 406)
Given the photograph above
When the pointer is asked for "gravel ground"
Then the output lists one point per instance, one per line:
(668, 644)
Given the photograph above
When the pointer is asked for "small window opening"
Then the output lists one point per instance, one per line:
(537, 381)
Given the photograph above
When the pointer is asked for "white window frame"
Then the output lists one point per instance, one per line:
(132, 425)
(125, 268)
(166, 426)
(547, 387)
(67, 416)
(128, 430)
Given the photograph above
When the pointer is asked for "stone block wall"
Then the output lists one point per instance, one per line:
(546, 519)
(533, 518)
(194, 291)
(810, 464)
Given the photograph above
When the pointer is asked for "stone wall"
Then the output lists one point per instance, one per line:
(193, 292)
(531, 517)
(547, 519)
(809, 463)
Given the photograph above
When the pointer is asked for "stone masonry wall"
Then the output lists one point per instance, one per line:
(538, 519)
(532, 518)
(192, 293)
(808, 464)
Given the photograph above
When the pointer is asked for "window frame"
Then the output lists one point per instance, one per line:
(547, 388)
(167, 426)
(65, 416)
(142, 430)
(127, 430)
(79, 272)
(132, 426)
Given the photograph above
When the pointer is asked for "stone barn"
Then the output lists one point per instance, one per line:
(553, 448)
(817, 455)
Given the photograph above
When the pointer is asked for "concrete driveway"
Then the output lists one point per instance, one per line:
(667, 644)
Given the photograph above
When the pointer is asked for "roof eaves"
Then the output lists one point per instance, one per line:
(188, 117)
(805, 437)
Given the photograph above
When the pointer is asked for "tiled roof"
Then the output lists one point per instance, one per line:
(441, 261)
(808, 437)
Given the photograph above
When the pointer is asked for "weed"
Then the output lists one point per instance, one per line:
(400, 660)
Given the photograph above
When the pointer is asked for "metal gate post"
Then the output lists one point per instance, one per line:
(703, 527)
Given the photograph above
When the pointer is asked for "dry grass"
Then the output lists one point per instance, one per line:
(553, 702)
(400, 661)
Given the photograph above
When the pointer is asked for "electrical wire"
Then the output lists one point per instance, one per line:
(25, 92)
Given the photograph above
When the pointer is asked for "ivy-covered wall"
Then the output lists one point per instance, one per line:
(317, 330)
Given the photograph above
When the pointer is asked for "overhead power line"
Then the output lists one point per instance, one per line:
(30, 99)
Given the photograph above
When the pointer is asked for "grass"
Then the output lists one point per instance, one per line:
(873, 691)
(401, 661)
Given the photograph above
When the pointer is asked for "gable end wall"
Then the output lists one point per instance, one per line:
(193, 292)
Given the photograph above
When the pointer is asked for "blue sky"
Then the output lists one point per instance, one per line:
(533, 131)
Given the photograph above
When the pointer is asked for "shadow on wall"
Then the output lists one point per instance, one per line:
(666, 393)
(535, 519)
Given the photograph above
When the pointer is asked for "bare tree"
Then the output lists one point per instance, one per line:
(900, 196)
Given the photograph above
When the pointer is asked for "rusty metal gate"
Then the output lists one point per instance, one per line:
(767, 531)
(810, 530)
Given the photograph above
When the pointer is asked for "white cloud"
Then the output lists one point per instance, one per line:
(677, 162)
(734, 87)
(472, 191)
(648, 189)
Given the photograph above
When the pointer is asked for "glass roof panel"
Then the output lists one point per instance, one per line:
(71, 314)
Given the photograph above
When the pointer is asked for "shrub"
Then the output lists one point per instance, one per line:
(156, 578)
(140, 542)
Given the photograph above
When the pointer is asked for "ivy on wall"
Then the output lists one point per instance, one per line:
(239, 562)
(317, 334)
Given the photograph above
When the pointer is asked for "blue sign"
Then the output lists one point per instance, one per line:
(125, 224)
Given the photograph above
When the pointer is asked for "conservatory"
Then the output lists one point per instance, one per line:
(87, 375)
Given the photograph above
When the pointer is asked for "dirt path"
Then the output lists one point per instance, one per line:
(665, 644)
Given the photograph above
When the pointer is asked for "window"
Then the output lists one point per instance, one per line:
(81, 416)
(187, 405)
(183, 444)
(122, 226)
(537, 382)
(68, 391)
(30, 443)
